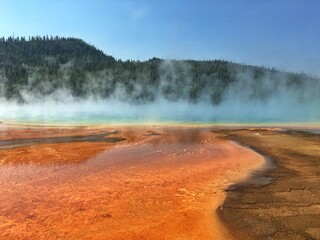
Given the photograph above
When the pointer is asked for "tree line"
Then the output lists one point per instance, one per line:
(39, 66)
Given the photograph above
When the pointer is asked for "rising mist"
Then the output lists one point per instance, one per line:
(66, 80)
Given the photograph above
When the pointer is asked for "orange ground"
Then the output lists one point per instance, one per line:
(161, 183)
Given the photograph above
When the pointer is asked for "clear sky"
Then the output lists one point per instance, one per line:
(281, 33)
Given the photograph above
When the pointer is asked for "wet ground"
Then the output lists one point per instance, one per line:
(145, 183)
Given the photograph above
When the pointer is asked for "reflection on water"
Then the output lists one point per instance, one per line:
(104, 137)
(316, 131)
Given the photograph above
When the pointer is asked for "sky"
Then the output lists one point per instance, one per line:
(284, 34)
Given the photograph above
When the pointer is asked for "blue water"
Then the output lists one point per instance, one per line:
(106, 119)
(100, 119)
(90, 112)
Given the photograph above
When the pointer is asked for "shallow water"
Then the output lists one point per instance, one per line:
(164, 184)
(316, 131)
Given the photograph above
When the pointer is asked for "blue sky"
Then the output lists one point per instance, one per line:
(281, 33)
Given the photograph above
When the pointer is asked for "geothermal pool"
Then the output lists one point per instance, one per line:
(89, 112)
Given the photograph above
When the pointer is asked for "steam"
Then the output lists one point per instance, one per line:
(243, 101)
(111, 111)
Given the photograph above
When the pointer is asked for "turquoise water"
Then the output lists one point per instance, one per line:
(98, 119)
(106, 119)
(87, 113)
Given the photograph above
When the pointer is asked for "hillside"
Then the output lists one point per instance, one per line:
(46, 67)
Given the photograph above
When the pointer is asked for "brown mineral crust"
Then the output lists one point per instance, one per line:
(283, 202)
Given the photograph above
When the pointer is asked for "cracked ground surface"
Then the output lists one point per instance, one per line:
(287, 203)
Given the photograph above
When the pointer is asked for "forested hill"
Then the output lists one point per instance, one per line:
(52, 67)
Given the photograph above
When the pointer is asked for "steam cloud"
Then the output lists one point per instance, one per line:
(245, 100)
